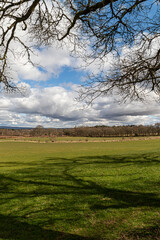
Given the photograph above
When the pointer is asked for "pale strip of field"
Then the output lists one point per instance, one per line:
(74, 139)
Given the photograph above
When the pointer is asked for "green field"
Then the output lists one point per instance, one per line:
(57, 139)
(69, 139)
(76, 191)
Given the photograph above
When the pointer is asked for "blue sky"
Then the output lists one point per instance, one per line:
(48, 97)
(67, 76)
(49, 89)
(49, 100)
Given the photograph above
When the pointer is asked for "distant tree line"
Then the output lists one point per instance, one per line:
(96, 131)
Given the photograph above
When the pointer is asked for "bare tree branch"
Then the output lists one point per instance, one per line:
(107, 26)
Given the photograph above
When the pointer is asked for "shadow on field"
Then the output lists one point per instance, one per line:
(10, 228)
(56, 191)
(145, 233)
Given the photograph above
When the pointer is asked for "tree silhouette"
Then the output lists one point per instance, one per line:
(106, 26)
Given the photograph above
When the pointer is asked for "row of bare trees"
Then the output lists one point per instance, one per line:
(114, 131)
(96, 131)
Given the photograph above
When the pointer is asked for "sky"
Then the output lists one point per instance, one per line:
(49, 92)
(50, 98)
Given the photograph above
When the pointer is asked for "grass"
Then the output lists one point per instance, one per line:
(76, 191)
(45, 139)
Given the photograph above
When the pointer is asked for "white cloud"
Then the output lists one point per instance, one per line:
(47, 62)
(56, 107)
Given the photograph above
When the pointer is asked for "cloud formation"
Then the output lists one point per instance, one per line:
(56, 107)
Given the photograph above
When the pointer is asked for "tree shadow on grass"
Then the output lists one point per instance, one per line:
(145, 233)
(11, 228)
(58, 181)
(55, 176)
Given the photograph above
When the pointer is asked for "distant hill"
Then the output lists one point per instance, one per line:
(8, 127)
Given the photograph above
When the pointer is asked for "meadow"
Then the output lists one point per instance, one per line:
(80, 190)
